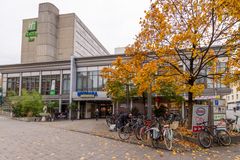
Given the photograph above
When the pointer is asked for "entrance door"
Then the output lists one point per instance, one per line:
(105, 110)
(82, 110)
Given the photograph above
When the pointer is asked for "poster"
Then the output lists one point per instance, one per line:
(53, 84)
(200, 114)
(219, 113)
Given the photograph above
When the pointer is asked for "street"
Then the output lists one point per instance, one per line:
(37, 141)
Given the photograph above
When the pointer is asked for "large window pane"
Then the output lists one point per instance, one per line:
(13, 84)
(48, 81)
(66, 84)
(30, 83)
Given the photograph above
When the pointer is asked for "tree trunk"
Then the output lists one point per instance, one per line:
(149, 101)
(127, 98)
(190, 109)
(144, 103)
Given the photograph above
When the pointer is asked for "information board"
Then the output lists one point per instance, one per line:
(200, 114)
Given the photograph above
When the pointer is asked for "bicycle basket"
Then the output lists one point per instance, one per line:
(174, 125)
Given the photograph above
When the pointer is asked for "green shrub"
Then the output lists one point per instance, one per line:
(29, 104)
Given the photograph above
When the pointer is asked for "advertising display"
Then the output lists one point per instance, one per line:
(200, 114)
(31, 33)
(53, 90)
(219, 112)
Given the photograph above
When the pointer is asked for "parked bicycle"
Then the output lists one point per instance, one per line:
(211, 133)
(110, 120)
(162, 132)
(132, 127)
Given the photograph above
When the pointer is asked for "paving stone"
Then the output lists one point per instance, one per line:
(53, 141)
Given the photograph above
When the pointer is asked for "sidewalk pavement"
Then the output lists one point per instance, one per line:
(99, 128)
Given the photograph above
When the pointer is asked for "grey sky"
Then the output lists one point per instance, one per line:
(114, 22)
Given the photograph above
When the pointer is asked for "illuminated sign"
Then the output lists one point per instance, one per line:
(85, 94)
(32, 31)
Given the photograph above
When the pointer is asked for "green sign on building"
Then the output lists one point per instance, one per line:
(53, 88)
(32, 31)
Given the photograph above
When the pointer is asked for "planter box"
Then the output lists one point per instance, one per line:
(28, 119)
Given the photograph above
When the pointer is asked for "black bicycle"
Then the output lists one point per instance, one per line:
(132, 127)
(211, 133)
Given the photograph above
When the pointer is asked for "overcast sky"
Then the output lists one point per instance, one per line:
(114, 22)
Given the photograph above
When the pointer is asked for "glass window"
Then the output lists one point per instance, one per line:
(209, 83)
(13, 84)
(89, 81)
(48, 83)
(66, 84)
(30, 83)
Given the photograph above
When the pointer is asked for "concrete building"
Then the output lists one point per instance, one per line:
(62, 60)
(119, 50)
(66, 81)
(233, 101)
(55, 37)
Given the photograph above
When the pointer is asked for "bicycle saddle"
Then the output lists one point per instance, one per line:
(230, 121)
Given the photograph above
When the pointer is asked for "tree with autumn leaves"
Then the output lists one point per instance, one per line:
(119, 79)
(183, 42)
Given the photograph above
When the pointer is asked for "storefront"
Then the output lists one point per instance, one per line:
(88, 102)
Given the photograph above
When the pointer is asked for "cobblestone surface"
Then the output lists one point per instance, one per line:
(53, 141)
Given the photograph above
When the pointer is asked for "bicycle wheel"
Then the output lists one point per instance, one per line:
(108, 121)
(155, 143)
(177, 136)
(143, 134)
(204, 139)
(124, 132)
(224, 137)
(168, 138)
(137, 132)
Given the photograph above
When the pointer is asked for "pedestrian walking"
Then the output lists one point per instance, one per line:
(97, 114)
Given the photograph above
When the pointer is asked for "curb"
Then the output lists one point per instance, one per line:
(234, 140)
(119, 140)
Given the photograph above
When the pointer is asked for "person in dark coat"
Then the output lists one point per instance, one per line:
(97, 114)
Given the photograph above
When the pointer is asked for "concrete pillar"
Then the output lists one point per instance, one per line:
(40, 82)
(131, 105)
(60, 106)
(149, 101)
(183, 111)
(113, 109)
(20, 84)
(117, 107)
(48, 16)
(78, 110)
(73, 80)
(61, 82)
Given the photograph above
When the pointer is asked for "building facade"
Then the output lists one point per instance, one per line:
(76, 80)
(233, 102)
(55, 37)
(62, 60)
